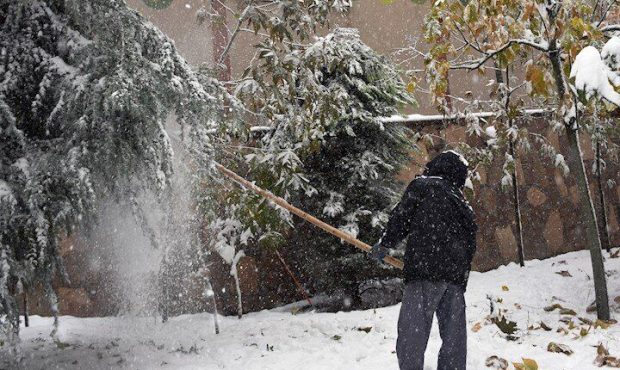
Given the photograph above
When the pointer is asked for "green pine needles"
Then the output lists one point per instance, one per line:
(327, 150)
(85, 90)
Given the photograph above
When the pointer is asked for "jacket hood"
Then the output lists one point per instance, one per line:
(451, 166)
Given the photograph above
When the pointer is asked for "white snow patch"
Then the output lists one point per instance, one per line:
(5, 189)
(592, 76)
(469, 184)
(277, 340)
(62, 67)
(611, 53)
(23, 165)
(491, 132)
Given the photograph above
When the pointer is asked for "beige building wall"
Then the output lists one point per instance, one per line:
(384, 27)
(179, 23)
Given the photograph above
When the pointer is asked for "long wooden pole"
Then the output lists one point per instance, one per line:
(295, 280)
(303, 215)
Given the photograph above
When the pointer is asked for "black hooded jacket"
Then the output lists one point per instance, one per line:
(438, 222)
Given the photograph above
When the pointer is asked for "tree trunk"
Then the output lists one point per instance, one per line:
(26, 317)
(164, 298)
(603, 229)
(238, 288)
(588, 216)
(234, 272)
(513, 154)
(575, 164)
(10, 305)
(517, 208)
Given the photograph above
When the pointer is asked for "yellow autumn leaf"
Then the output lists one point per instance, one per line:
(530, 364)
(536, 76)
(601, 324)
(578, 25)
(411, 87)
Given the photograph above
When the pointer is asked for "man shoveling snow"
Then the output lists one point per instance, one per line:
(441, 232)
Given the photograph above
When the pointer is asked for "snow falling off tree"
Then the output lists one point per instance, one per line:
(86, 88)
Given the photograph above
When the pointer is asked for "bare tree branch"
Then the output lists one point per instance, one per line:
(594, 10)
(604, 15)
(235, 33)
(477, 63)
(611, 28)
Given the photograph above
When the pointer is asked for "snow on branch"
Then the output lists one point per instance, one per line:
(611, 28)
(489, 54)
(592, 76)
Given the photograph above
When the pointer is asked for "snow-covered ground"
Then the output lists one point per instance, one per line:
(353, 340)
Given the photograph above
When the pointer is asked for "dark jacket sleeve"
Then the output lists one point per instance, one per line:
(399, 224)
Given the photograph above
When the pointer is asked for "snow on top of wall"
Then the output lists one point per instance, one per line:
(592, 75)
(438, 117)
(260, 128)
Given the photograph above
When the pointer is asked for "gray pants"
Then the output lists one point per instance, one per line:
(421, 300)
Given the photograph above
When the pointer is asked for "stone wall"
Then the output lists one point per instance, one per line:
(549, 201)
(549, 208)
(551, 226)
(88, 292)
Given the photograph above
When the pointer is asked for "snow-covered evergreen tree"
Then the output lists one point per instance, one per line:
(235, 217)
(85, 89)
(327, 151)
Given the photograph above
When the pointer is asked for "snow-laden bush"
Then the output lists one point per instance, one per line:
(326, 151)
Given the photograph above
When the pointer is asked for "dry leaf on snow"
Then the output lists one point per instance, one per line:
(496, 363)
(559, 348)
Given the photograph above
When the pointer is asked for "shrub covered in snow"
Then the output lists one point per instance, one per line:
(327, 151)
